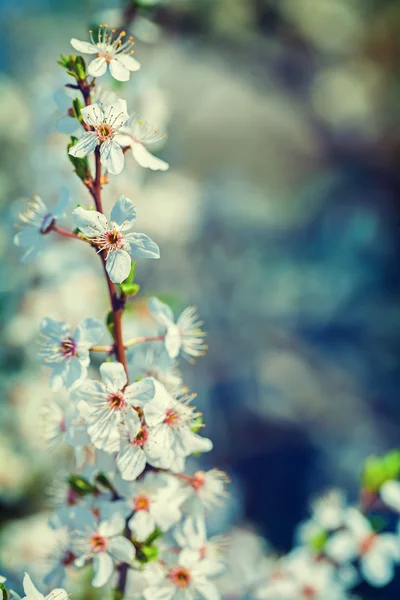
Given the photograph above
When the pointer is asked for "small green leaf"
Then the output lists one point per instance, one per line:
(157, 533)
(130, 289)
(131, 276)
(147, 554)
(318, 541)
(110, 322)
(80, 485)
(76, 107)
(81, 165)
(4, 591)
(198, 424)
(80, 67)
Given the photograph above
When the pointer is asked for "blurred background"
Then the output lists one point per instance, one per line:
(278, 219)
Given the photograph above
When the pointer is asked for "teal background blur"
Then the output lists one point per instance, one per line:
(278, 218)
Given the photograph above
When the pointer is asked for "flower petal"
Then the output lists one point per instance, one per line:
(62, 203)
(92, 115)
(145, 159)
(118, 265)
(131, 462)
(103, 567)
(128, 62)
(113, 526)
(172, 341)
(139, 392)
(90, 222)
(85, 145)
(161, 312)
(142, 246)
(112, 157)
(390, 494)
(84, 47)
(113, 376)
(97, 67)
(30, 590)
(377, 569)
(118, 71)
(122, 549)
(89, 332)
(123, 213)
(142, 525)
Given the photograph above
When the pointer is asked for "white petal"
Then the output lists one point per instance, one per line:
(62, 203)
(140, 392)
(90, 222)
(97, 67)
(390, 494)
(145, 159)
(118, 71)
(131, 462)
(142, 525)
(123, 213)
(57, 594)
(122, 549)
(74, 372)
(29, 236)
(128, 62)
(103, 567)
(30, 590)
(142, 246)
(207, 590)
(377, 569)
(118, 265)
(85, 145)
(113, 526)
(172, 341)
(84, 47)
(112, 157)
(89, 332)
(358, 524)
(113, 376)
(341, 547)
(92, 115)
(161, 312)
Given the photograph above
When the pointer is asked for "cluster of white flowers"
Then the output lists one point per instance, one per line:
(127, 507)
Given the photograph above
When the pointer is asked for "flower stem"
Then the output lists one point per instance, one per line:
(142, 340)
(66, 233)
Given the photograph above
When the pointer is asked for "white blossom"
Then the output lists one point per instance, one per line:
(138, 134)
(390, 494)
(104, 121)
(106, 405)
(111, 52)
(103, 543)
(114, 237)
(378, 553)
(185, 336)
(67, 352)
(32, 593)
(36, 221)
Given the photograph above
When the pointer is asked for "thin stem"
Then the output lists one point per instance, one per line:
(66, 233)
(142, 340)
(107, 349)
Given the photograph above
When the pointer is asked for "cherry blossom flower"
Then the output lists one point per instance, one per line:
(103, 543)
(32, 593)
(105, 121)
(113, 238)
(36, 221)
(328, 514)
(187, 578)
(191, 533)
(111, 52)
(185, 336)
(138, 134)
(204, 490)
(67, 353)
(378, 553)
(105, 405)
(155, 504)
(173, 421)
(137, 449)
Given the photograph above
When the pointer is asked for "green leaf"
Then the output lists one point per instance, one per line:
(76, 107)
(379, 469)
(81, 165)
(318, 541)
(80, 485)
(147, 554)
(130, 289)
(157, 533)
(110, 322)
(131, 276)
(4, 591)
(198, 424)
(80, 67)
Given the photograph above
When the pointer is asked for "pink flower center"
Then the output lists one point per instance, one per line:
(116, 401)
(141, 503)
(114, 238)
(72, 497)
(367, 543)
(309, 592)
(198, 480)
(141, 438)
(68, 558)
(68, 347)
(171, 417)
(104, 132)
(99, 543)
(180, 577)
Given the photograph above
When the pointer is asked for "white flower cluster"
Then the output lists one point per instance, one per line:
(128, 508)
(339, 549)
